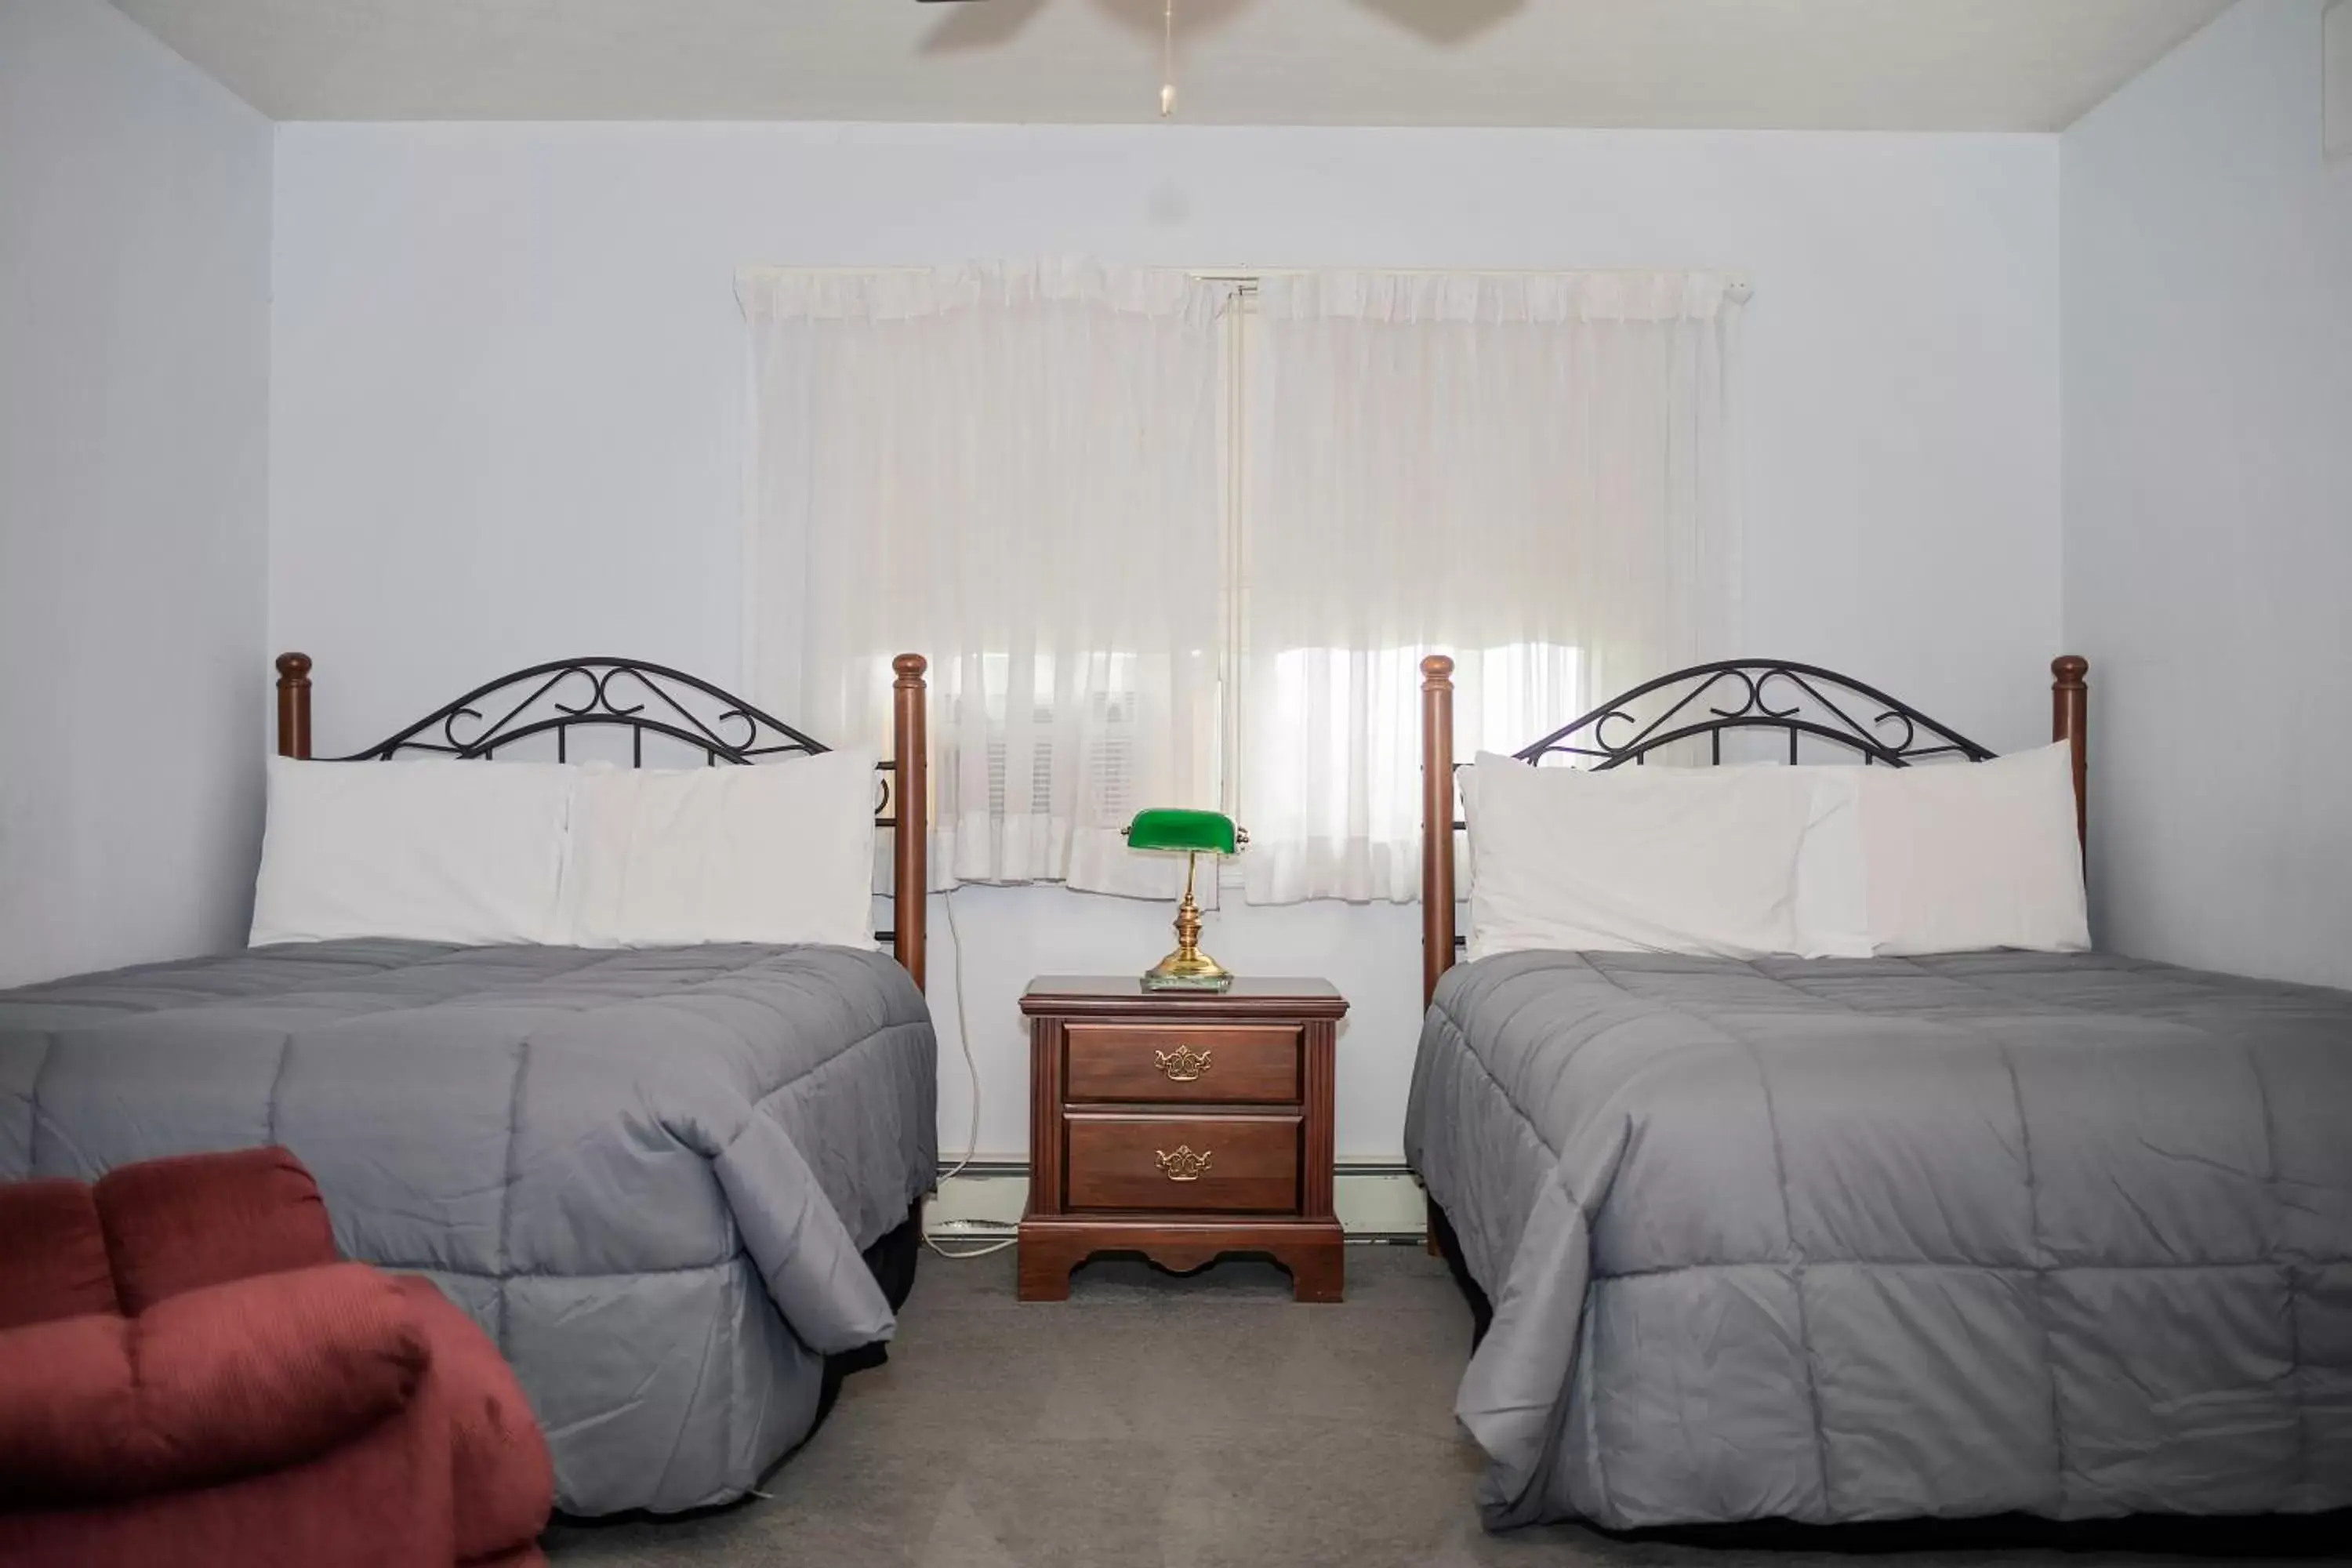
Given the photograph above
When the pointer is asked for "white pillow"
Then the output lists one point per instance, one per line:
(1948, 857)
(1699, 861)
(439, 851)
(772, 852)
(1832, 882)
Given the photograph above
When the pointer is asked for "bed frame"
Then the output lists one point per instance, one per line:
(1704, 701)
(645, 700)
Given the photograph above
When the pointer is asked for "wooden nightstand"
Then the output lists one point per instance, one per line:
(1181, 1125)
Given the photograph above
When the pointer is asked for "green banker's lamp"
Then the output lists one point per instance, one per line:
(1192, 834)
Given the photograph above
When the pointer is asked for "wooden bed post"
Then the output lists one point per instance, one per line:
(2070, 719)
(1436, 851)
(294, 705)
(1436, 821)
(911, 847)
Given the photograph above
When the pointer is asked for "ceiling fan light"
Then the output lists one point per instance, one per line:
(1167, 60)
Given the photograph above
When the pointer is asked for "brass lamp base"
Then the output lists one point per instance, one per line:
(1181, 971)
(1188, 968)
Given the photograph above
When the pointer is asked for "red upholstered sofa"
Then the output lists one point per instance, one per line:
(188, 1375)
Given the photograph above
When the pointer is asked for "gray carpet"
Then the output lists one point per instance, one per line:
(1156, 1422)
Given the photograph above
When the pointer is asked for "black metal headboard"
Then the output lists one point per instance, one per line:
(1738, 694)
(568, 694)
(1707, 700)
(616, 693)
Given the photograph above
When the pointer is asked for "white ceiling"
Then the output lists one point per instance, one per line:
(1928, 65)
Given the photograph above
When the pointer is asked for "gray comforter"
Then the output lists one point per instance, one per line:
(1843, 1239)
(648, 1174)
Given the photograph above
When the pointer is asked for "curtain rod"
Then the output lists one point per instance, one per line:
(1735, 278)
(1250, 274)
(1245, 279)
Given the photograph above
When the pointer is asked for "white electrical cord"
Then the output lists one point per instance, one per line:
(963, 1039)
(972, 1137)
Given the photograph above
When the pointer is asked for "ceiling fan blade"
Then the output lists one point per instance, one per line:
(970, 26)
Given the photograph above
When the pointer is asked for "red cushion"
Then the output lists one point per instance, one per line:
(52, 1254)
(525, 1556)
(212, 1384)
(381, 1500)
(505, 1479)
(202, 1219)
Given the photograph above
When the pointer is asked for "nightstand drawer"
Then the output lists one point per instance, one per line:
(1229, 1164)
(1230, 1064)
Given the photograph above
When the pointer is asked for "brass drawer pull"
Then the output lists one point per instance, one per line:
(1183, 1165)
(1181, 1065)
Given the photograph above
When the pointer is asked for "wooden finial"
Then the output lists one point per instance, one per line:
(293, 704)
(910, 668)
(2069, 668)
(1437, 670)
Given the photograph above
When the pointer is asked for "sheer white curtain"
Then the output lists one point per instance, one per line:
(1013, 469)
(1531, 473)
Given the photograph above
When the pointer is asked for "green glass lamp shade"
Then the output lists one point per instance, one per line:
(1190, 834)
(1203, 831)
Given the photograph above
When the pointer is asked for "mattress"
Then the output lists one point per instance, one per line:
(1852, 1240)
(648, 1174)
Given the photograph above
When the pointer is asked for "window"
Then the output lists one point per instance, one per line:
(1106, 748)
(1172, 538)
(1012, 469)
(1526, 472)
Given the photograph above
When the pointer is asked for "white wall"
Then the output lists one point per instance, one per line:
(134, 333)
(508, 412)
(2208, 342)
